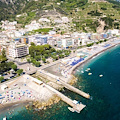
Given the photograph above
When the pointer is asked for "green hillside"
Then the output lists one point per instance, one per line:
(88, 16)
(84, 15)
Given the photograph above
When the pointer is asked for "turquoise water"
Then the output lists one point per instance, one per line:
(105, 92)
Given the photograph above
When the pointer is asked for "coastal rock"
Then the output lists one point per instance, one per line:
(42, 105)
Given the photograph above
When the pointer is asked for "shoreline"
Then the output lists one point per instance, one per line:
(89, 58)
(26, 103)
(8, 106)
(71, 81)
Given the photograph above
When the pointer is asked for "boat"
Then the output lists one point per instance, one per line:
(71, 109)
(100, 75)
(5, 118)
(88, 68)
(75, 102)
(89, 73)
(82, 71)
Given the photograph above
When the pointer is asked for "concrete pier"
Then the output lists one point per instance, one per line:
(59, 80)
(76, 107)
(74, 89)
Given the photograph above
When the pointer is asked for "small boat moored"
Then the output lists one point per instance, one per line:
(82, 71)
(71, 109)
(100, 75)
(88, 68)
(5, 118)
(89, 73)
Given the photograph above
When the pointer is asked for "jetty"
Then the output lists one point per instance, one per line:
(71, 88)
(76, 107)
(61, 81)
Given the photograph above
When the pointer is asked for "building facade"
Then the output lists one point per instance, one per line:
(18, 50)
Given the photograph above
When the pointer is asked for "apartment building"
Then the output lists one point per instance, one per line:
(18, 50)
(65, 42)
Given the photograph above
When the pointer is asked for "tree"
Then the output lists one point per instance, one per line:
(100, 41)
(105, 40)
(20, 71)
(9, 64)
(37, 64)
(46, 55)
(3, 53)
(54, 57)
(97, 42)
(32, 44)
(61, 56)
(88, 45)
(28, 60)
(52, 50)
(14, 67)
(3, 56)
(66, 54)
(44, 60)
(1, 78)
(80, 42)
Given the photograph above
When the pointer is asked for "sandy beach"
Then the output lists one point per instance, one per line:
(23, 90)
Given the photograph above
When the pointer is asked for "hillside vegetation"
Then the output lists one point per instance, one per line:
(84, 15)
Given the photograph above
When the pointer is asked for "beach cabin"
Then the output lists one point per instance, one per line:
(3, 87)
(80, 55)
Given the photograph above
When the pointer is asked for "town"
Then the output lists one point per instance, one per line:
(29, 52)
(37, 62)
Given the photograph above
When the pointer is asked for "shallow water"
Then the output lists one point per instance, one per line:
(105, 92)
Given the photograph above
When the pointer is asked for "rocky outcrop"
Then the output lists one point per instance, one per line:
(44, 104)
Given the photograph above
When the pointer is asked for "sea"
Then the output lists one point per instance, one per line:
(104, 103)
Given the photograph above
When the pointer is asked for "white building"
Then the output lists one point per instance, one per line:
(52, 32)
(9, 25)
(65, 42)
(114, 32)
(44, 20)
(17, 50)
(38, 39)
(32, 26)
(65, 19)
(58, 21)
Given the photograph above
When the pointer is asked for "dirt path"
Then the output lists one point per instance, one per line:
(100, 29)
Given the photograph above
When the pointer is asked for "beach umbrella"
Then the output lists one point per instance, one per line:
(28, 92)
(0, 95)
(11, 95)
